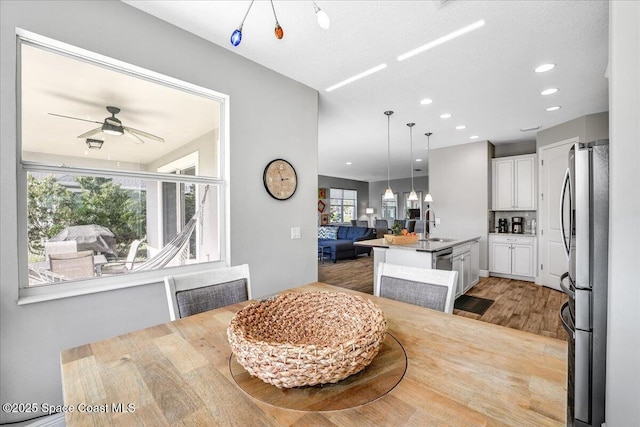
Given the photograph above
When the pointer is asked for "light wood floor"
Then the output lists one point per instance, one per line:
(518, 304)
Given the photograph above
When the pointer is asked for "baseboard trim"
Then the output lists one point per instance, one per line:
(484, 273)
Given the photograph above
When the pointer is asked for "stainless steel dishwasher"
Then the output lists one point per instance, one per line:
(442, 260)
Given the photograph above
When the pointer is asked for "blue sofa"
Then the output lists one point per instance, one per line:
(340, 241)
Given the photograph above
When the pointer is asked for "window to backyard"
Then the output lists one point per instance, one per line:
(342, 205)
(121, 172)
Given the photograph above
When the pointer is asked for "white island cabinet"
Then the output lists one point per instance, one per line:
(464, 255)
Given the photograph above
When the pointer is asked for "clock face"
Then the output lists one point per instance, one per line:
(280, 179)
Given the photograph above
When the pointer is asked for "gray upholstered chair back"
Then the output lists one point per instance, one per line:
(362, 223)
(419, 226)
(428, 288)
(193, 293)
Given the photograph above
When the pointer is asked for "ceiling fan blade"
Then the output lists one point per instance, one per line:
(145, 134)
(74, 118)
(133, 136)
(90, 133)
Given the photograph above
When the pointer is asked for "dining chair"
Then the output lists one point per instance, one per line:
(419, 226)
(63, 247)
(362, 223)
(382, 228)
(425, 287)
(75, 265)
(193, 293)
(123, 267)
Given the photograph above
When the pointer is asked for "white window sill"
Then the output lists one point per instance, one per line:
(36, 294)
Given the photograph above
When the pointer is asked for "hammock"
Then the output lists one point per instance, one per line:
(176, 251)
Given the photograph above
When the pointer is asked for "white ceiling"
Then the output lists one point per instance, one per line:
(485, 79)
(54, 83)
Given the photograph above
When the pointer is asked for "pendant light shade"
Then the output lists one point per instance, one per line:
(278, 29)
(412, 196)
(323, 18)
(236, 36)
(428, 197)
(388, 195)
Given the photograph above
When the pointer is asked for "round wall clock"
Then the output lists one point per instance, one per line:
(280, 179)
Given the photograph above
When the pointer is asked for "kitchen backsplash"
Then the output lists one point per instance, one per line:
(527, 215)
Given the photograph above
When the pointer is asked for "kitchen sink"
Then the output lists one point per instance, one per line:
(440, 239)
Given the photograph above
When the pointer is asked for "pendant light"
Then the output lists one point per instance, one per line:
(278, 30)
(428, 197)
(236, 37)
(412, 196)
(323, 18)
(388, 195)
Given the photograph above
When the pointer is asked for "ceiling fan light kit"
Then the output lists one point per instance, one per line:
(321, 16)
(112, 126)
(94, 144)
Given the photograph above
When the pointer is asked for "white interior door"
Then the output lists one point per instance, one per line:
(553, 165)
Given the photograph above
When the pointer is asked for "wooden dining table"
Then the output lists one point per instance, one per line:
(434, 369)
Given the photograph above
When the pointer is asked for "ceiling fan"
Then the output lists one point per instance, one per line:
(113, 126)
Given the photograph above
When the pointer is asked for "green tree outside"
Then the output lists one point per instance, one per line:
(52, 207)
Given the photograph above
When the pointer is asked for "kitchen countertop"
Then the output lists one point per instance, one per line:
(526, 234)
(420, 246)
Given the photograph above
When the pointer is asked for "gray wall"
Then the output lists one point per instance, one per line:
(361, 187)
(270, 115)
(460, 183)
(623, 346)
(587, 128)
(515, 149)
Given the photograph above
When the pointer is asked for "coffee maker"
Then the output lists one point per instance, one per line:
(517, 224)
(503, 225)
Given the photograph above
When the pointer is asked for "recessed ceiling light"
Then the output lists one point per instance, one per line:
(474, 137)
(349, 163)
(418, 160)
(445, 116)
(460, 127)
(441, 40)
(426, 101)
(545, 67)
(357, 77)
(549, 91)
(554, 108)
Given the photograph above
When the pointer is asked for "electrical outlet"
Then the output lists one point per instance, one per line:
(437, 220)
(295, 232)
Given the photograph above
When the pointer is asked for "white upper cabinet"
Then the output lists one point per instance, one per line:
(514, 183)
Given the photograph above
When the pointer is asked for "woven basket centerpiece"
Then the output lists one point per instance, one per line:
(305, 339)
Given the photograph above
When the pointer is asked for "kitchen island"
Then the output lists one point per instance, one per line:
(458, 253)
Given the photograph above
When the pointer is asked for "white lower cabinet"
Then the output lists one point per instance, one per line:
(513, 256)
(466, 261)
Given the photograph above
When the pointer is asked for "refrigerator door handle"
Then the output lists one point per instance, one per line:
(567, 290)
(566, 320)
(565, 183)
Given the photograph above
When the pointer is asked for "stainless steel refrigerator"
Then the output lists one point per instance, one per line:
(584, 216)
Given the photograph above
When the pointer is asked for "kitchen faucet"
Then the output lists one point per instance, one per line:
(428, 221)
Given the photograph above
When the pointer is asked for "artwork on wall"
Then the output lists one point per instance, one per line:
(324, 219)
(322, 193)
(321, 206)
